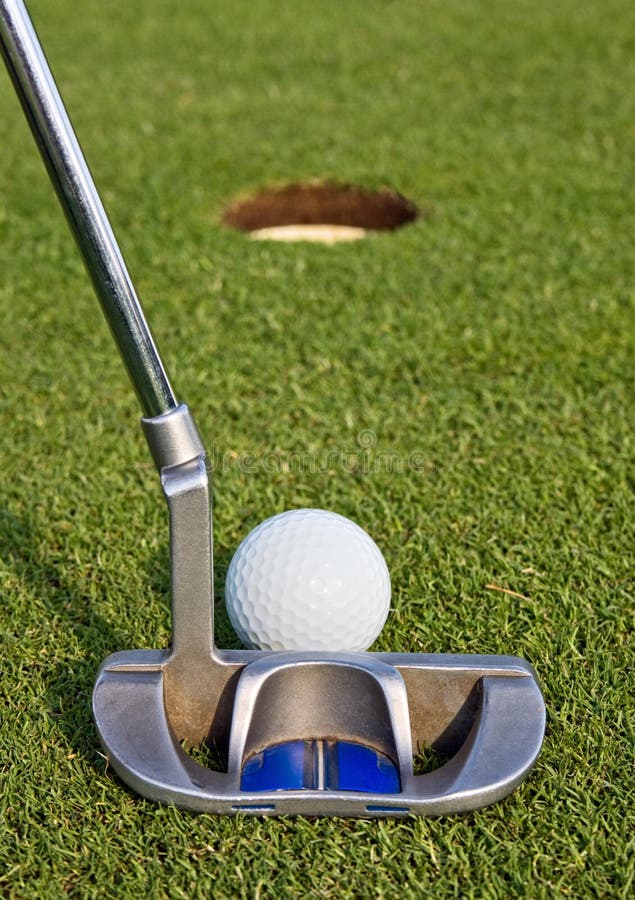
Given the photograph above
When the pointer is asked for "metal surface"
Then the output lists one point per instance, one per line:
(173, 439)
(485, 712)
(73, 182)
(132, 706)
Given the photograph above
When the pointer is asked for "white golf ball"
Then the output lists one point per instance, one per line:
(308, 579)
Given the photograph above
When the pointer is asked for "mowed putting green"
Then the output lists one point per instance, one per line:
(462, 387)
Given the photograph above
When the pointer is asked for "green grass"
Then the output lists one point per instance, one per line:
(492, 343)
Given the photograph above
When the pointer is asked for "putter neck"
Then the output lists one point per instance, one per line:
(179, 454)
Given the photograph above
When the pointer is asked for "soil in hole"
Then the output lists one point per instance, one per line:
(321, 204)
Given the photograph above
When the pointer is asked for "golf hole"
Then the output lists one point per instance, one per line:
(323, 213)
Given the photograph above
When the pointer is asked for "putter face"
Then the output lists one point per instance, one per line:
(309, 733)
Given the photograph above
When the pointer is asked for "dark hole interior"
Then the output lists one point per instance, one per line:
(321, 204)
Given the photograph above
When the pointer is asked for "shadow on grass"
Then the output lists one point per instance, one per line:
(68, 621)
(64, 611)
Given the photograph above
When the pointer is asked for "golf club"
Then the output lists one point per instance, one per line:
(313, 733)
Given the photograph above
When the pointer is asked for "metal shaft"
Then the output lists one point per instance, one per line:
(78, 195)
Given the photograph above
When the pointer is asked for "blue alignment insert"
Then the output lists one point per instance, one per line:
(277, 768)
(309, 765)
(355, 767)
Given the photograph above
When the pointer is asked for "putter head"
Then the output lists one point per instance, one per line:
(321, 734)
(310, 733)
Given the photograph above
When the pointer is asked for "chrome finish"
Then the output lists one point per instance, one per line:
(173, 438)
(78, 195)
(486, 712)
(493, 748)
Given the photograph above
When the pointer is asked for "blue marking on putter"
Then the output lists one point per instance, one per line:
(277, 768)
(320, 765)
(360, 768)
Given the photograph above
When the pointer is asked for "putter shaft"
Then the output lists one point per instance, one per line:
(82, 205)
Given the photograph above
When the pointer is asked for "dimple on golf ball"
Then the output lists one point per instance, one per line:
(308, 579)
